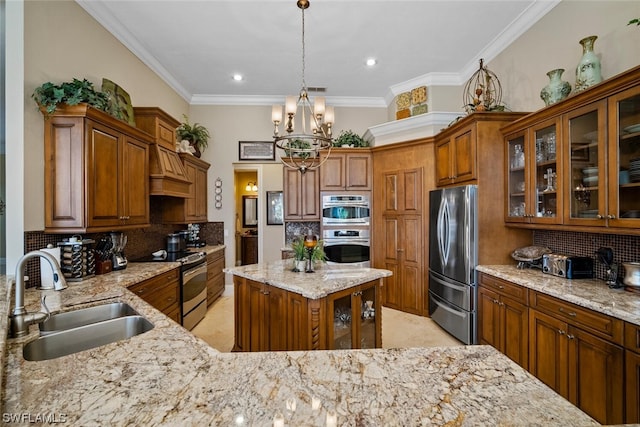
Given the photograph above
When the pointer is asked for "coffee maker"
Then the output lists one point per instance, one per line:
(118, 242)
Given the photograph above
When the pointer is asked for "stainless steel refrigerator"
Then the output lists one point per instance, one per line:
(453, 256)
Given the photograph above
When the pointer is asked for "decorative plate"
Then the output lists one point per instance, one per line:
(530, 253)
(419, 95)
(119, 102)
(403, 101)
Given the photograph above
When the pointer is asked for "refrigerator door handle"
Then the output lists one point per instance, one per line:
(443, 231)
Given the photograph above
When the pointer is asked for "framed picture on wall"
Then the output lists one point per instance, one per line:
(257, 150)
(275, 210)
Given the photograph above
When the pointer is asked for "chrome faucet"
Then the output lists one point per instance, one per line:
(20, 319)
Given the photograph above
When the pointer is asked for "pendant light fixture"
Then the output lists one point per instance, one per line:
(309, 146)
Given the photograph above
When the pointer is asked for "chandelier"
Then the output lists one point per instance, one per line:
(309, 146)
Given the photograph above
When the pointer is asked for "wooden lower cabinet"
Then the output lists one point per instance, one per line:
(162, 292)
(273, 319)
(503, 318)
(215, 276)
(576, 351)
(632, 372)
(582, 367)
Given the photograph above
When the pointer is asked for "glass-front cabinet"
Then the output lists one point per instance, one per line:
(585, 145)
(533, 175)
(354, 318)
(624, 154)
(576, 163)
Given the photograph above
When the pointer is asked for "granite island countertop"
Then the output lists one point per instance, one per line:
(169, 377)
(326, 279)
(590, 293)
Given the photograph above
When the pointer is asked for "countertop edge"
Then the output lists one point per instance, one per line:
(593, 294)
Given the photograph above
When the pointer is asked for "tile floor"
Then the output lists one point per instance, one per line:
(399, 329)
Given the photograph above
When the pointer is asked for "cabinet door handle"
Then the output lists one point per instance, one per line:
(570, 336)
(495, 301)
(400, 250)
(611, 217)
(561, 332)
(570, 313)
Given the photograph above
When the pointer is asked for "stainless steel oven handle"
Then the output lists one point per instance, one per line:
(188, 274)
(361, 242)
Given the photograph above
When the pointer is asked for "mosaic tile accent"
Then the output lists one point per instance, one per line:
(295, 229)
(419, 109)
(625, 248)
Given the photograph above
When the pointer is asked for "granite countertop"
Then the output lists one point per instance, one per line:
(326, 279)
(167, 376)
(590, 293)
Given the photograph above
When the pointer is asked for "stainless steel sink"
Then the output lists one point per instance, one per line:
(86, 316)
(85, 337)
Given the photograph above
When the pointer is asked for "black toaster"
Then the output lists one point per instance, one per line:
(570, 267)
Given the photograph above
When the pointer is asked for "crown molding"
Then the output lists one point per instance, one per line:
(420, 126)
(102, 15)
(336, 101)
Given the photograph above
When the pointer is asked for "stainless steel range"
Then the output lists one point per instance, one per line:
(193, 283)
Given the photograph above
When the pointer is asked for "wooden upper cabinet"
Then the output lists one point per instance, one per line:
(346, 169)
(461, 149)
(589, 143)
(96, 172)
(456, 157)
(193, 208)
(301, 195)
(158, 124)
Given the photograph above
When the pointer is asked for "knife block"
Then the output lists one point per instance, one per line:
(103, 267)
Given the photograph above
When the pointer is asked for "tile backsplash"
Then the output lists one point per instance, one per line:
(625, 248)
(140, 242)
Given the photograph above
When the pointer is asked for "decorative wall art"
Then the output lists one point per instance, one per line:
(275, 210)
(119, 102)
(218, 193)
(256, 150)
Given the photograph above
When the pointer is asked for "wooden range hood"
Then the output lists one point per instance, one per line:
(167, 174)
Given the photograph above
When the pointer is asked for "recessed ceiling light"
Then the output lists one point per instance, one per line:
(371, 62)
(238, 77)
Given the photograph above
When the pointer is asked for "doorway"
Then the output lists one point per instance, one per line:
(247, 201)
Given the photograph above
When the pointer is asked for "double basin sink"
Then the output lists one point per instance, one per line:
(86, 328)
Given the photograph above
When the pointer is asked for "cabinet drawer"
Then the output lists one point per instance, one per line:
(161, 291)
(600, 324)
(516, 292)
(632, 337)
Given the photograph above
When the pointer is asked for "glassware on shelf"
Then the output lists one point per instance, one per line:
(550, 146)
(518, 157)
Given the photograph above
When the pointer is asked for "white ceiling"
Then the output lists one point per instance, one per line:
(196, 46)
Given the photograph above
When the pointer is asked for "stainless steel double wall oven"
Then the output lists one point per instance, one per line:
(346, 228)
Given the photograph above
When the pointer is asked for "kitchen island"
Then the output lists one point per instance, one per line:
(166, 376)
(334, 307)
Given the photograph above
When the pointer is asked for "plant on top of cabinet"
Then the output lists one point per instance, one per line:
(349, 138)
(48, 95)
(197, 135)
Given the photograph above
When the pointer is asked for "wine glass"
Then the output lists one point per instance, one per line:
(310, 242)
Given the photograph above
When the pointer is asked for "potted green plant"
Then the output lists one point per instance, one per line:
(48, 96)
(197, 135)
(299, 254)
(348, 138)
(318, 254)
(299, 144)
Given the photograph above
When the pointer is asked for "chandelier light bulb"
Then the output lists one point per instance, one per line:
(318, 106)
(276, 114)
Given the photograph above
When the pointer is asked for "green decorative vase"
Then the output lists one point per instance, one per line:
(588, 71)
(557, 89)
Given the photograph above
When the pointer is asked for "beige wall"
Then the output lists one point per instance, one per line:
(62, 42)
(553, 42)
